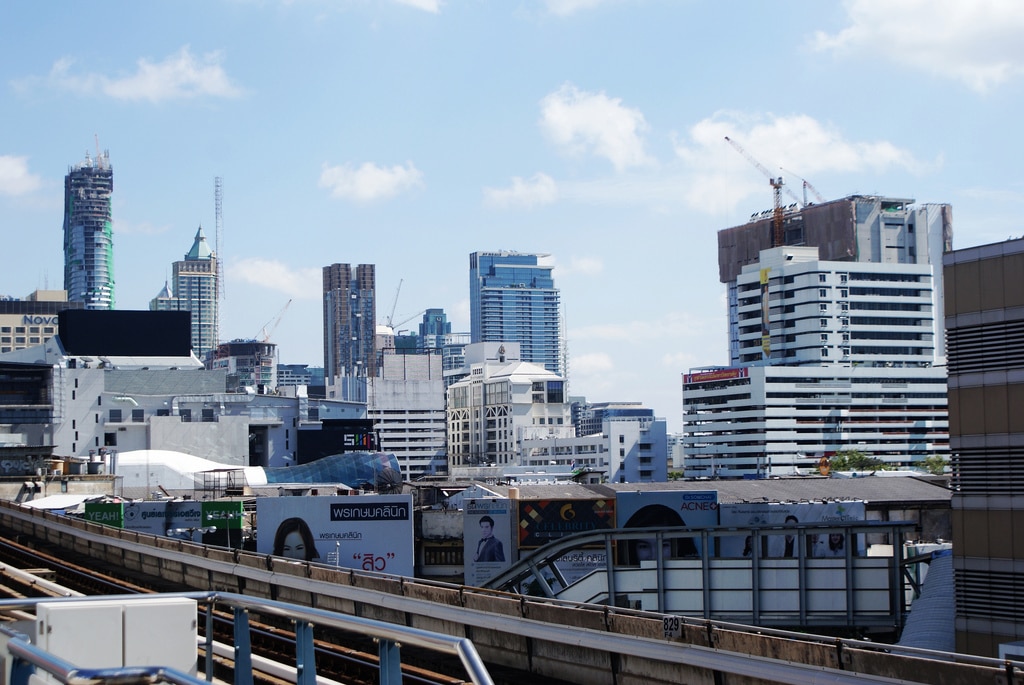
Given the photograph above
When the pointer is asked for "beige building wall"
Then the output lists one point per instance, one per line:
(984, 290)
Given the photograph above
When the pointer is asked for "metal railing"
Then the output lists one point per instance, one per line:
(27, 658)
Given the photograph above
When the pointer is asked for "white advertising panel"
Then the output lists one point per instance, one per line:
(366, 532)
(182, 520)
(791, 514)
(487, 538)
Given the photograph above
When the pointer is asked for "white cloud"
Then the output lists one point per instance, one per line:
(595, 362)
(15, 178)
(538, 190)
(582, 123)
(369, 181)
(587, 266)
(432, 6)
(976, 42)
(302, 283)
(180, 76)
(721, 178)
(566, 7)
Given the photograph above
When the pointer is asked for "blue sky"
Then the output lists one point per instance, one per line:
(410, 133)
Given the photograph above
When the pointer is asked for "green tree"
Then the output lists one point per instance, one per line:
(935, 465)
(855, 460)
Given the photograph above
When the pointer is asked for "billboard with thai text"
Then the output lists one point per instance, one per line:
(366, 532)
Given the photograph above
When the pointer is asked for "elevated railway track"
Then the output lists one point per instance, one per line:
(534, 639)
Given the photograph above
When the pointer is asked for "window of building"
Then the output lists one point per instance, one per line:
(822, 278)
(823, 307)
(622, 451)
(115, 416)
(824, 352)
(824, 337)
(186, 415)
(824, 323)
(844, 293)
(622, 439)
(110, 439)
(138, 415)
(208, 415)
(822, 292)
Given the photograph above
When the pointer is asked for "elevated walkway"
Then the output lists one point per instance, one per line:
(861, 586)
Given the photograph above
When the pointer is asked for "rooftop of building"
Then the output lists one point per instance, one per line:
(917, 491)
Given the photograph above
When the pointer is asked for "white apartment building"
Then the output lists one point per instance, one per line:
(629, 449)
(832, 355)
(497, 406)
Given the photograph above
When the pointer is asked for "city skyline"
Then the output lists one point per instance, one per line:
(410, 134)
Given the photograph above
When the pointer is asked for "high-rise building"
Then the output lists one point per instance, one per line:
(434, 329)
(406, 404)
(350, 315)
(880, 230)
(89, 233)
(513, 298)
(195, 290)
(985, 329)
(834, 342)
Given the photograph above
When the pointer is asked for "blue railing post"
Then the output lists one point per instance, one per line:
(21, 672)
(305, 655)
(390, 663)
(209, 642)
(243, 648)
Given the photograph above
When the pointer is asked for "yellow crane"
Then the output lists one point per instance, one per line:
(777, 184)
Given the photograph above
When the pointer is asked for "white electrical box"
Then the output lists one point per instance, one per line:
(158, 631)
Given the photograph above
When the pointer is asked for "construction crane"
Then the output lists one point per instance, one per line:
(778, 234)
(408, 319)
(272, 324)
(807, 186)
(391, 314)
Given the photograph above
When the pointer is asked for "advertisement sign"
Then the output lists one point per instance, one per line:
(716, 375)
(181, 520)
(766, 336)
(487, 538)
(366, 532)
(107, 513)
(662, 508)
(791, 514)
(542, 521)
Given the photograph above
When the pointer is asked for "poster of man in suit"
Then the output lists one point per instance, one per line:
(487, 539)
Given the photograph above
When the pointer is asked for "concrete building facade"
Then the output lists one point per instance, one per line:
(406, 405)
(89, 233)
(33, 320)
(985, 329)
(500, 404)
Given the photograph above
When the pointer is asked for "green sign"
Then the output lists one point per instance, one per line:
(107, 513)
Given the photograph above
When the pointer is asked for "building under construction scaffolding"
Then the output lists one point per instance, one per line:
(89, 233)
(857, 228)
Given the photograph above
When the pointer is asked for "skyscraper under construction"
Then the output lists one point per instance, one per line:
(88, 233)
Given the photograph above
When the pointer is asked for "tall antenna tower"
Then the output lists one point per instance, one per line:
(218, 198)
